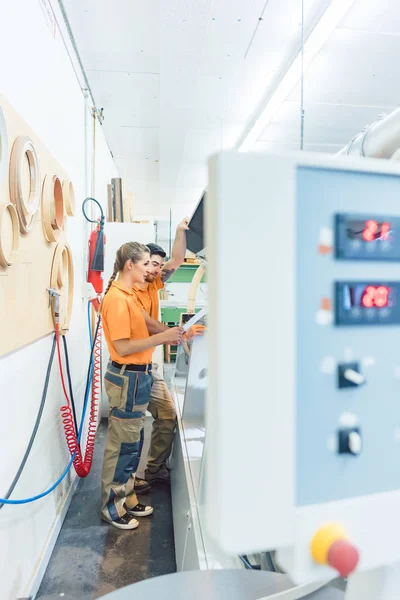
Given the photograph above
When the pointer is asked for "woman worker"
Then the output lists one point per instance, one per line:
(127, 382)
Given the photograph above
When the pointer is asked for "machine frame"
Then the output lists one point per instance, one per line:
(240, 428)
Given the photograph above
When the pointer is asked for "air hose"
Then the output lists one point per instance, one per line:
(98, 255)
(69, 418)
(6, 499)
(35, 429)
(81, 464)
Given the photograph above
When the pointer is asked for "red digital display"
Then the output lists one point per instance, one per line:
(376, 231)
(375, 296)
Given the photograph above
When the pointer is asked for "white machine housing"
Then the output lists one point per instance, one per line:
(270, 233)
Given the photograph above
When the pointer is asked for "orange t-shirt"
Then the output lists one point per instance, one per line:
(122, 319)
(148, 297)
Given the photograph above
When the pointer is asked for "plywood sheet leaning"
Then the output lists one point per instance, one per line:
(116, 188)
(25, 314)
(128, 207)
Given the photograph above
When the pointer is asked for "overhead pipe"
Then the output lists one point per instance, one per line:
(379, 140)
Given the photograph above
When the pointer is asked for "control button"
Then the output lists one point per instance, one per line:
(354, 376)
(355, 443)
(330, 546)
(343, 557)
(349, 375)
(355, 245)
(350, 441)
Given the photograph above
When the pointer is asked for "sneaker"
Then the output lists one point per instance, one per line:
(161, 476)
(141, 486)
(140, 510)
(127, 521)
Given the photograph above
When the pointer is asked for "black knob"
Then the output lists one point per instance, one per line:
(350, 441)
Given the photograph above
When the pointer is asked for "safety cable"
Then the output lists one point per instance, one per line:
(6, 499)
(35, 429)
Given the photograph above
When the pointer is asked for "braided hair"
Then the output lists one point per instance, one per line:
(130, 251)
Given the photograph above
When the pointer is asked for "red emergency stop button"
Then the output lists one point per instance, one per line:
(330, 546)
(343, 557)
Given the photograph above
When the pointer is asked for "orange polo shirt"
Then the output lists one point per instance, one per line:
(122, 319)
(148, 297)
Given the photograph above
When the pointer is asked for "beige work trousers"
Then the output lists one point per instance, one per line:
(162, 408)
(128, 394)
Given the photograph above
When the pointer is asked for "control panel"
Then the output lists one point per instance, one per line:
(313, 417)
(348, 334)
(360, 236)
(367, 303)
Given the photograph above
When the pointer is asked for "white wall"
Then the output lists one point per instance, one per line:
(37, 78)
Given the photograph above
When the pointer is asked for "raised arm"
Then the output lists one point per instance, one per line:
(178, 251)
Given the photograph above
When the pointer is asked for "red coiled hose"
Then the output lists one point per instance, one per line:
(82, 466)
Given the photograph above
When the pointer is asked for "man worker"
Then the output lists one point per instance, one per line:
(161, 405)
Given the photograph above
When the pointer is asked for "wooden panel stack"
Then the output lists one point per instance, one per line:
(120, 205)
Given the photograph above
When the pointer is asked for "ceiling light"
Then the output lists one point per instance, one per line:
(317, 38)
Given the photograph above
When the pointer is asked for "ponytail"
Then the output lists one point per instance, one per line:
(112, 278)
(131, 251)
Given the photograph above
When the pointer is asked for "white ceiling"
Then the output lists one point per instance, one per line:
(181, 79)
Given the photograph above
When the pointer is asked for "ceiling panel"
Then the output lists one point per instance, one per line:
(183, 34)
(128, 99)
(117, 35)
(354, 68)
(277, 41)
(373, 15)
(179, 80)
(231, 28)
(330, 123)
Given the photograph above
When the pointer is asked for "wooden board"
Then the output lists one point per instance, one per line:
(116, 187)
(128, 207)
(25, 315)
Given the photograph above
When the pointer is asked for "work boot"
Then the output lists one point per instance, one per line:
(161, 476)
(141, 486)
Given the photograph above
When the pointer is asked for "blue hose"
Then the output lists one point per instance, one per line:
(85, 405)
(53, 487)
(89, 324)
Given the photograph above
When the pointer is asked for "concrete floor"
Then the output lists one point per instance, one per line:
(92, 558)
